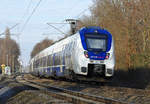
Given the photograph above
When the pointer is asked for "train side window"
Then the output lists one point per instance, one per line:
(65, 47)
(68, 46)
(48, 60)
(37, 63)
(44, 61)
(51, 60)
(59, 58)
(40, 62)
(56, 59)
(71, 47)
(34, 64)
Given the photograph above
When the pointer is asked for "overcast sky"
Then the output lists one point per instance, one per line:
(17, 11)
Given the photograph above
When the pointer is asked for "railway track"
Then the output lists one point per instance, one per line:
(68, 95)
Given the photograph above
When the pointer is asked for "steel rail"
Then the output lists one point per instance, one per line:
(73, 96)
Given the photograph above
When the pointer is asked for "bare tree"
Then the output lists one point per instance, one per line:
(9, 51)
(128, 21)
(40, 46)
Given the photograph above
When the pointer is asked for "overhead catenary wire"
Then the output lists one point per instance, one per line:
(83, 12)
(75, 5)
(70, 10)
(10, 28)
(78, 15)
(26, 11)
(57, 23)
(28, 19)
(64, 24)
(57, 29)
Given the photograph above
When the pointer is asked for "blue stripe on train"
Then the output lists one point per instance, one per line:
(58, 71)
(55, 69)
(48, 73)
(91, 30)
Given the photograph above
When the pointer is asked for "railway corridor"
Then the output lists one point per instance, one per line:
(28, 89)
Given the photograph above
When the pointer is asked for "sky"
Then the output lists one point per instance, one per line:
(27, 34)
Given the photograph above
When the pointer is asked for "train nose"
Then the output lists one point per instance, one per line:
(98, 68)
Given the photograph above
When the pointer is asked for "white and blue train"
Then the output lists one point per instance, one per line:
(89, 53)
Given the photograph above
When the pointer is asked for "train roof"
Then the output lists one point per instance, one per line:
(48, 49)
(93, 29)
(89, 29)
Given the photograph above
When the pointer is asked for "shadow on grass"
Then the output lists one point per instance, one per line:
(132, 78)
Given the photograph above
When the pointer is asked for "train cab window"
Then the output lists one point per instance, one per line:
(96, 42)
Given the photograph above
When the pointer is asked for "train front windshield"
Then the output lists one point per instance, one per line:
(96, 42)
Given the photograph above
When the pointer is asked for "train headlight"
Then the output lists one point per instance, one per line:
(86, 54)
(107, 55)
(109, 71)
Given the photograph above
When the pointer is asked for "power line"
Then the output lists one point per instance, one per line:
(10, 28)
(57, 23)
(14, 26)
(70, 10)
(28, 19)
(82, 12)
(57, 29)
(27, 10)
(60, 23)
(78, 15)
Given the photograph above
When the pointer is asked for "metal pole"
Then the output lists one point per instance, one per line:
(13, 64)
(7, 59)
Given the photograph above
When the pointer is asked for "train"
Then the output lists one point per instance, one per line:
(88, 54)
